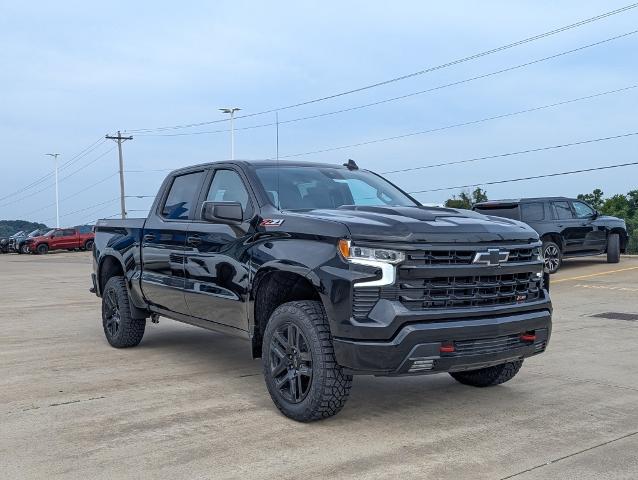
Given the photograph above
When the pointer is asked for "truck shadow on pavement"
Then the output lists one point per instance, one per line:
(226, 359)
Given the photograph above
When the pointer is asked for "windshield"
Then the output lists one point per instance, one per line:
(34, 233)
(306, 188)
(49, 233)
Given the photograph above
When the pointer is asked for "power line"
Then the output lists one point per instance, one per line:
(62, 179)
(72, 195)
(76, 157)
(91, 207)
(456, 125)
(400, 97)
(511, 154)
(558, 174)
(410, 75)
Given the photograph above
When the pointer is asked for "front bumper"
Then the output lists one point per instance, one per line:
(478, 343)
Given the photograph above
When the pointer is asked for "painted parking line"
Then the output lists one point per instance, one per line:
(593, 275)
(607, 287)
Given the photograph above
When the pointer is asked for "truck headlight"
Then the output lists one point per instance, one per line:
(352, 252)
(382, 258)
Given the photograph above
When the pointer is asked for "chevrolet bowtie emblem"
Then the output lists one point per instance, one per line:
(493, 256)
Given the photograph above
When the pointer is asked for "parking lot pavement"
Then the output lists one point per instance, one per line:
(188, 403)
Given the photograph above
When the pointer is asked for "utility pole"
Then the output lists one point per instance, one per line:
(57, 196)
(119, 139)
(232, 111)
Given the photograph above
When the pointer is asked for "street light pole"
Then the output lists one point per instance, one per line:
(232, 111)
(57, 196)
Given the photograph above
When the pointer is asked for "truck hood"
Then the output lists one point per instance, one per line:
(425, 224)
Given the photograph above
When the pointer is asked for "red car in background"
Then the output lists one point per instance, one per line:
(62, 239)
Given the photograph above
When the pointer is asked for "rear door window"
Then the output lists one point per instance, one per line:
(532, 212)
(182, 195)
(562, 210)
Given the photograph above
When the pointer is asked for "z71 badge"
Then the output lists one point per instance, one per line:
(271, 222)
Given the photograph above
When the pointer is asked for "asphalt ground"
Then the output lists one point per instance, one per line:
(187, 403)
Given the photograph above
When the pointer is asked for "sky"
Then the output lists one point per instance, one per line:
(73, 72)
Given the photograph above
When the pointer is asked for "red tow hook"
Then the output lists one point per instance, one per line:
(528, 337)
(446, 347)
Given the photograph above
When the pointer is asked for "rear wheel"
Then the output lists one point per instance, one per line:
(43, 249)
(88, 245)
(613, 248)
(552, 256)
(120, 328)
(490, 376)
(302, 375)
(21, 249)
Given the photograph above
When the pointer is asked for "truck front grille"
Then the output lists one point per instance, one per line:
(463, 257)
(447, 279)
(469, 291)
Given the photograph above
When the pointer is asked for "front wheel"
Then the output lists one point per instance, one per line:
(302, 375)
(552, 256)
(490, 376)
(43, 249)
(120, 328)
(613, 248)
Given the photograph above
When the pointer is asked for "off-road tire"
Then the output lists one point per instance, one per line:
(129, 331)
(42, 249)
(489, 376)
(330, 385)
(556, 255)
(88, 245)
(613, 248)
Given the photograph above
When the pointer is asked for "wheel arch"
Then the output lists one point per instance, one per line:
(109, 266)
(273, 286)
(555, 237)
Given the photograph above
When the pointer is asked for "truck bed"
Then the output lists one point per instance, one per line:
(119, 223)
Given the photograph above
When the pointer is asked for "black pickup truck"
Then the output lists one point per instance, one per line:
(328, 271)
(566, 226)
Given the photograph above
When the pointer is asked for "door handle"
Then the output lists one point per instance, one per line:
(194, 240)
(149, 237)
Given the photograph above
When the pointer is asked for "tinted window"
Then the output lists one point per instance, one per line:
(227, 186)
(68, 232)
(583, 210)
(499, 211)
(181, 196)
(562, 210)
(85, 229)
(532, 212)
(305, 188)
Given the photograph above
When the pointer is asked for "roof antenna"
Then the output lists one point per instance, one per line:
(277, 123)
(352, 165)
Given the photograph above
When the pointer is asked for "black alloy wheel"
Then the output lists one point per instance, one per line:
(291, 362)
(551, 256)
(111, 313)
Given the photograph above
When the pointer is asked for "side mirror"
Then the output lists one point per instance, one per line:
(595, 215)
(229, 213)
